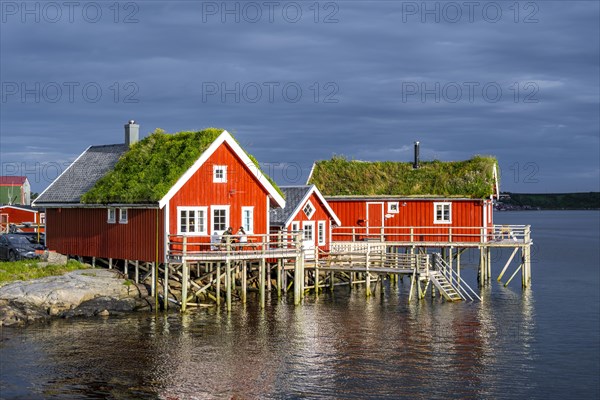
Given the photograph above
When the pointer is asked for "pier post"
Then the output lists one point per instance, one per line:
(458, 265)
(153, 282)
(298, 241)
(244, 281)
(218, 288)
(110, 263)
(93, 262)
(126, 268)
(367, 273)
(166, 287)
(261, 283)
(184, 285)
(137, 271)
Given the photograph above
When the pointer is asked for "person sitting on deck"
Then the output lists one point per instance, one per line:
(226, 234)
(242, 238)
(215, 239)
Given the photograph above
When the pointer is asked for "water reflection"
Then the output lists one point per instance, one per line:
(340, 345)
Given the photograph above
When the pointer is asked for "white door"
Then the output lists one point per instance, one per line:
(308, 228)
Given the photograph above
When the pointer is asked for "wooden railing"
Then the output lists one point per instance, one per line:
(450, 234)
(230, 245)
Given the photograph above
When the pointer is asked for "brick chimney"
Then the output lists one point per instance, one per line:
(132, 133)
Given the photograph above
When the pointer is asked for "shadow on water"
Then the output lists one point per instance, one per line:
(336, 345)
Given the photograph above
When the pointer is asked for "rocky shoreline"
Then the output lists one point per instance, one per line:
(80, 293)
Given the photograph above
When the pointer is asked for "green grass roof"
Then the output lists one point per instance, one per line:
(152, 166)
(339, 176)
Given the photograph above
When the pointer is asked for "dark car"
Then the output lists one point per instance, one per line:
(19, 247)
(34, 237)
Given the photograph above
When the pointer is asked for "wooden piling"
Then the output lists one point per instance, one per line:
(184, 285)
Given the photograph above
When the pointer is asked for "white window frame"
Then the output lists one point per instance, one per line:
(121, 219)
(111, 219)
(391, 205)
(212, 218)
(435, 212)
(222, 179)
(321, 232)
(312, 229)
(197, 210)
(248, 229)
(312, 207)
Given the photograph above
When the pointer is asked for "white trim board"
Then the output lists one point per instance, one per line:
(299, 207)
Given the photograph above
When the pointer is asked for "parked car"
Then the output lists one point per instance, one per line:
(34, 237)
(18, 247)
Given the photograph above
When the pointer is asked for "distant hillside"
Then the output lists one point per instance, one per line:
(550, 201)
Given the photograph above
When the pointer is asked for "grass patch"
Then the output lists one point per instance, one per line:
(339, 176)
(30, 269)
(152, 166)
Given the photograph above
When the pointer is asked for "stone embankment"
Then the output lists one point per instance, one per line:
(85, 292)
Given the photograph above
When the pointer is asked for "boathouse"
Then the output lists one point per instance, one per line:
(403, 202)
(126, 201)
(306, 209)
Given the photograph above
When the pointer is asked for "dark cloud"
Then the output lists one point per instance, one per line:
(521, 86)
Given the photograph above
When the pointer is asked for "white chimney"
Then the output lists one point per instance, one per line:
(132, 133)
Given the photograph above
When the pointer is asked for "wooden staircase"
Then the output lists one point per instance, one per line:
(447, 290)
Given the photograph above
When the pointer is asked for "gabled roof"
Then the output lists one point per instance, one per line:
(12, 180)
(19, 207)
(148, 173)
(81, 175)
(474, 178)
(295, 198)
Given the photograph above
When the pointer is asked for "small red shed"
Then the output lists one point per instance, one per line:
(394, 201)
(25, 217)
(306, 209)
(126, 201)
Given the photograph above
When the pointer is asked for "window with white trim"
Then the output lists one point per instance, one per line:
(112, 216)
(321, 232)
(393, 207)
(220, 219)
(295, 226)
(191, 221)
(248, 219)
(219, 173)
(308, 229)
(123, 214)
(442, 213)
(309, 209)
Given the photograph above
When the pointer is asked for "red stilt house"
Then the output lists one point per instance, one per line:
(405, 202)
(306, 209)
(127, 201)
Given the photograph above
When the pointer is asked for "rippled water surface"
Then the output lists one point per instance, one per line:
(538, 343)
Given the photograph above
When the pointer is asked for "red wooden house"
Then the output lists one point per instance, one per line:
(393, 201)
(306, 209)
(25, 217)
(127, 201)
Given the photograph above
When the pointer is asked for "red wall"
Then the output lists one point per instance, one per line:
(85, 232)
(320, 214)
(242, 189)
(416, 213)
(18, 216)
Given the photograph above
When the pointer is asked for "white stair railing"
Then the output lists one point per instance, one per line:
(453, 278)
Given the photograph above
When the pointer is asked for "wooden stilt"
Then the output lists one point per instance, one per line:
(513, 275)
(228, 284)
(261, 289)
(110, 263)
(412, 286)
(126, 268)
(244, 281)
(218, 288)
(184, 285)
(166, 288)
(153, 280)
(137, 271)
(458, 252)
(93, 262)
(279, 277)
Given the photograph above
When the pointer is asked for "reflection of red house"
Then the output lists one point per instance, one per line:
(222, 187)
(306, 209)
(25, 217)
(393, 201)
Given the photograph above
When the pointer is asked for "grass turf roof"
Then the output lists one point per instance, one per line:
(146, 172)
(339, 176)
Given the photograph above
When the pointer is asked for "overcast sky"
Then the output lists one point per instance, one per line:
(301, 81)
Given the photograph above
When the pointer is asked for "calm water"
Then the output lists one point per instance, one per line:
(540, 343)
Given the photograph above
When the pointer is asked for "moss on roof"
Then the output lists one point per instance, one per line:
(339, 176)
(146, 172)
